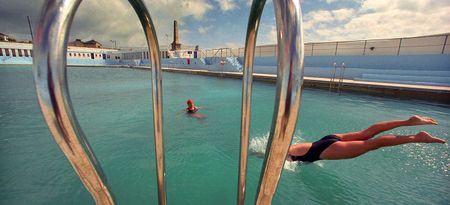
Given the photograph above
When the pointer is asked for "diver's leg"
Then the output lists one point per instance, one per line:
(384, 126)
(352, 149)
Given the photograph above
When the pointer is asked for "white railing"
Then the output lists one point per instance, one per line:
(434, 44)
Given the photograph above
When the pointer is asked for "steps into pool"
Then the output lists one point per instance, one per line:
(408, 76)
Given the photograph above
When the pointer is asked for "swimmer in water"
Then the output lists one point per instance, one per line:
(192, 110)
(354, 144)
(191, 107)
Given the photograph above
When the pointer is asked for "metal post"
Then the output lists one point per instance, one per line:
(445, 43)
(341, 77)
(399, 46)
(312, 49)
(335, 51)
(287, 104)
(31, 30)
(333, 75)
(247, 80)
(365, 44)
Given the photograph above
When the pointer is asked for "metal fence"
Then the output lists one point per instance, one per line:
(435, 44)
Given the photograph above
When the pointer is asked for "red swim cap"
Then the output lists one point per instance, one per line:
(189, 101)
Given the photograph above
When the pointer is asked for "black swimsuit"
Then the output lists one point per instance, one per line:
(316, 149)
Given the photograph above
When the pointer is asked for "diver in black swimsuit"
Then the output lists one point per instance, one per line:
(354, 144)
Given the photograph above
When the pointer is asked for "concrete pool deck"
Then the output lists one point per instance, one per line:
(432, 93)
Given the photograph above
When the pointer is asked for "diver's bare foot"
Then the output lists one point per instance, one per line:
(425, 137)
(419, 120)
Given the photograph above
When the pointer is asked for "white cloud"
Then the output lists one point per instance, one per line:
(319, 16)
(343, 14)
(232, 45)
(116, 20)
(204, 29)
(330, 1)
(329, 16)
(268, 35)
(197, 8)
(378, 19)
(227, 5)
(249, 2)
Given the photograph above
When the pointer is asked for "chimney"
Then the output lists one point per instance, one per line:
(176, 45)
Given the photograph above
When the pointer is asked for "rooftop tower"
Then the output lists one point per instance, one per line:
(176, 45)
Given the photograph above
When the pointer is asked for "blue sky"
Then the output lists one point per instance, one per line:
(222, 23)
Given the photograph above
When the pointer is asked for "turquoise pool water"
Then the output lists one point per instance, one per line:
(113, 106)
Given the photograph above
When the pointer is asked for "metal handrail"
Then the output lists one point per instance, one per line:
(333, 76)
(341, 77)
(247, 80)
(288, 96)
(50, 76)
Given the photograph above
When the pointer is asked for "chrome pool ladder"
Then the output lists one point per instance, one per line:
(341, 78)
(50, 77)
(333, 84)
(333, 75)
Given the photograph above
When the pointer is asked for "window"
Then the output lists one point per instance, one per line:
(7, 52)
(19, 51)
(26, 53)
(1, 52)
(31, 53)
(13, 51)
(189, 52)
(70, 54)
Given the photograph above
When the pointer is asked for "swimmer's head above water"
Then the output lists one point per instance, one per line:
(191, 106)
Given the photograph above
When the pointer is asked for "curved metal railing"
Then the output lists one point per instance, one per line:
(287, 103)
(247, 80)
(288, 97)
(50, 75)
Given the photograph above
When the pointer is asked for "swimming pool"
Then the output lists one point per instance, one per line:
(113, 106)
